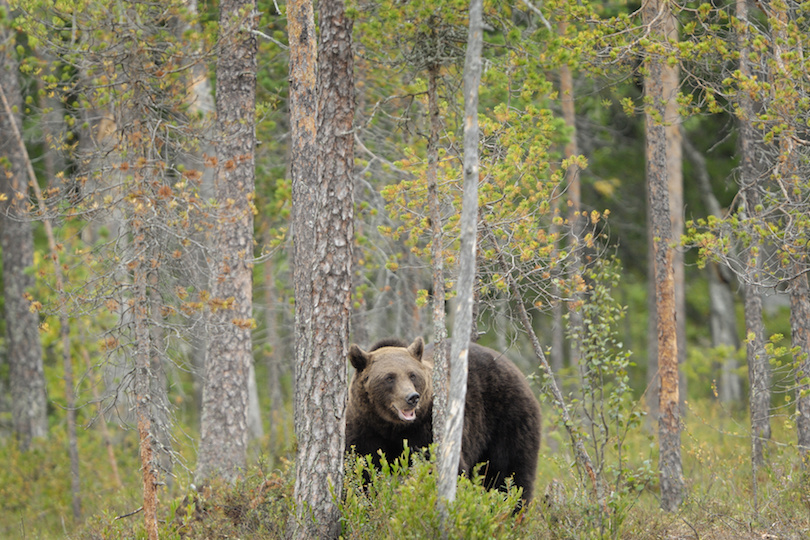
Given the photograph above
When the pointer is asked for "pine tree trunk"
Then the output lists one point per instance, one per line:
(323, 259)
(144, 399)
(224, 430)
(800, 338)
(657, 94)
(758, 367)
(24, 351)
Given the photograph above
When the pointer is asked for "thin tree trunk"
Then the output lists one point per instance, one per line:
(64, 320)
(674, 174)
(144, 399)
(787, 174)
(224, 431)
(722, 314)
(800, 338)
(575, 220)
(323, 338)
(24, 350)
(450, 452)
(440, 369)
(758, 367)
(658, 94)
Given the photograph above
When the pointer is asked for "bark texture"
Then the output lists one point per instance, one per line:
(323, 266)
(224, 430)
(800, 337)
(26, 375)
(657, 94)
(440, 369)
(758, 367)
(450, 451)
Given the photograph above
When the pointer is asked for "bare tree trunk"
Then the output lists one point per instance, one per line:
(658, 94)
(575, 220)
(722, 315)
(758, 366)
(440, 368)
(64, 320)
(450, 452)
(674, 175)
(24, 351)
(144, 398)
(273, 356)
(224, 431)
(303, 155)
(787, 174)
(323, 331)
(800, 338)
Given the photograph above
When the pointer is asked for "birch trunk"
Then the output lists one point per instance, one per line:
(450, 453)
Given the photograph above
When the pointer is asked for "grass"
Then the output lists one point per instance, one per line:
(719, 499)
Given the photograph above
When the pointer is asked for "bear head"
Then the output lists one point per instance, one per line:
(392, 382)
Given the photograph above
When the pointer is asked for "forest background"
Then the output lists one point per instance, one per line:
(113, 227)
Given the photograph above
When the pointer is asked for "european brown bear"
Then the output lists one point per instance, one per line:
(391, 400)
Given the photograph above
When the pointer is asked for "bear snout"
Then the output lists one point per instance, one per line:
(412, 399)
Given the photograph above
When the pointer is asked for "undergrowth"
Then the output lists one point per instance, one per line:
(400, 502)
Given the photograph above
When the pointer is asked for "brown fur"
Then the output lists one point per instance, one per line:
(501, 419)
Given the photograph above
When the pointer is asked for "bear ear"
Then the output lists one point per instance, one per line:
(358, 357)
(417, 348)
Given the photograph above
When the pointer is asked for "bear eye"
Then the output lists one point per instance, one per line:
(389, 378)
(413, 376)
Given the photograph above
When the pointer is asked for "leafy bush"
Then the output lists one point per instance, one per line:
(400, 501)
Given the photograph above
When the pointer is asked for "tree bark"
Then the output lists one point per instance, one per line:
(144, 399)
(24, 351)
(224, 430)
(575, 220)
(787, 175)
(657, 94)
(758, 367)
(440, 368)
(64, 320)
(450, 452)
(325, 278)
(800, 338)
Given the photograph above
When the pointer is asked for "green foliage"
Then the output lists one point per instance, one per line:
(604, 406)
(400, 501)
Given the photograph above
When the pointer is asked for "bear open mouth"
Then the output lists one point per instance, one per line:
(408, 415)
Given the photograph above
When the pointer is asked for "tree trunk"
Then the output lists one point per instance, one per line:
(24, 351)
(722, 314)
(800, 338)
(575, 220)
(144, 399)
(224, 430)
(304, 176)
(440, 368)
(787, 174)
(450, 452)
(658, 94)
(758, 366)
(323, 330)
(64, 320)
